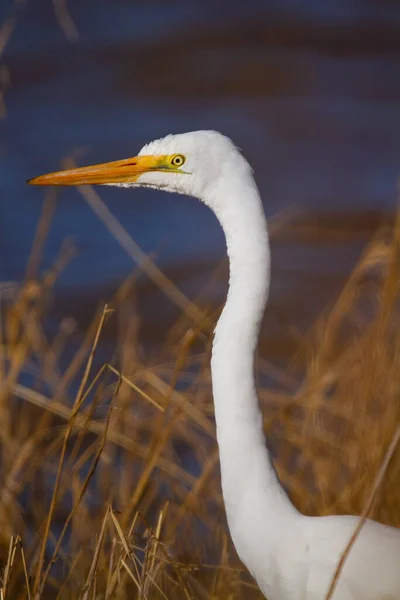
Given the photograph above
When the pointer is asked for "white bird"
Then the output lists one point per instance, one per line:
(291, 556)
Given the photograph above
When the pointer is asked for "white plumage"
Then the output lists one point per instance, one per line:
(291, 556)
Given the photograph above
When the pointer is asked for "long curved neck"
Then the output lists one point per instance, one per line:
(253, 496)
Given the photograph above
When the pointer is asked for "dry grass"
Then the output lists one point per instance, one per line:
(109, 470)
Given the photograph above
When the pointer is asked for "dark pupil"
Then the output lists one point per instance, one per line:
(177, 160)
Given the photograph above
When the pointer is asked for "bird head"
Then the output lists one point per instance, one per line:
(188, 163)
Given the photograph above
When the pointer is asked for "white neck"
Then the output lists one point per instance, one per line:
(256, 505)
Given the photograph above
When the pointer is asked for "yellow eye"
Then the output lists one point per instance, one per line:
(177, 160)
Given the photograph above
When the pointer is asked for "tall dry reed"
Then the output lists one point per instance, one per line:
(109, 484)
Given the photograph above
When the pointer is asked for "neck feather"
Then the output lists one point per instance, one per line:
(253, 496)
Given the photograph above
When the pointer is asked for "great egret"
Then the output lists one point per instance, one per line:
(291, 556)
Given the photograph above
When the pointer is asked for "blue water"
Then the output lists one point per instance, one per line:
(309, 90)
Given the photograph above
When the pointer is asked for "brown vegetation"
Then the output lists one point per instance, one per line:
(109, 484)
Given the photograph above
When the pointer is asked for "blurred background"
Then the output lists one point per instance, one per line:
(310, 91)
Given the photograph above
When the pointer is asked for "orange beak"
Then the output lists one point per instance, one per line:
(119, 171)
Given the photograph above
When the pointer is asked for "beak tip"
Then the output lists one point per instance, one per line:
(37, 181)
(33, 181)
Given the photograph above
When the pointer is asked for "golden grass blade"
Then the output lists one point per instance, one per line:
(136, 388)
(131, 575)
(123, 555)
(42, 231)
(94, 566)
(87, 415)
(9, 565)
(27, 583)
(157, 533)
(110, 571)
(149, 564)
(179, 400)
(121, 535)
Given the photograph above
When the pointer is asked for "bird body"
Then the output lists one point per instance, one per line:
(291, 556)
(309, 549)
